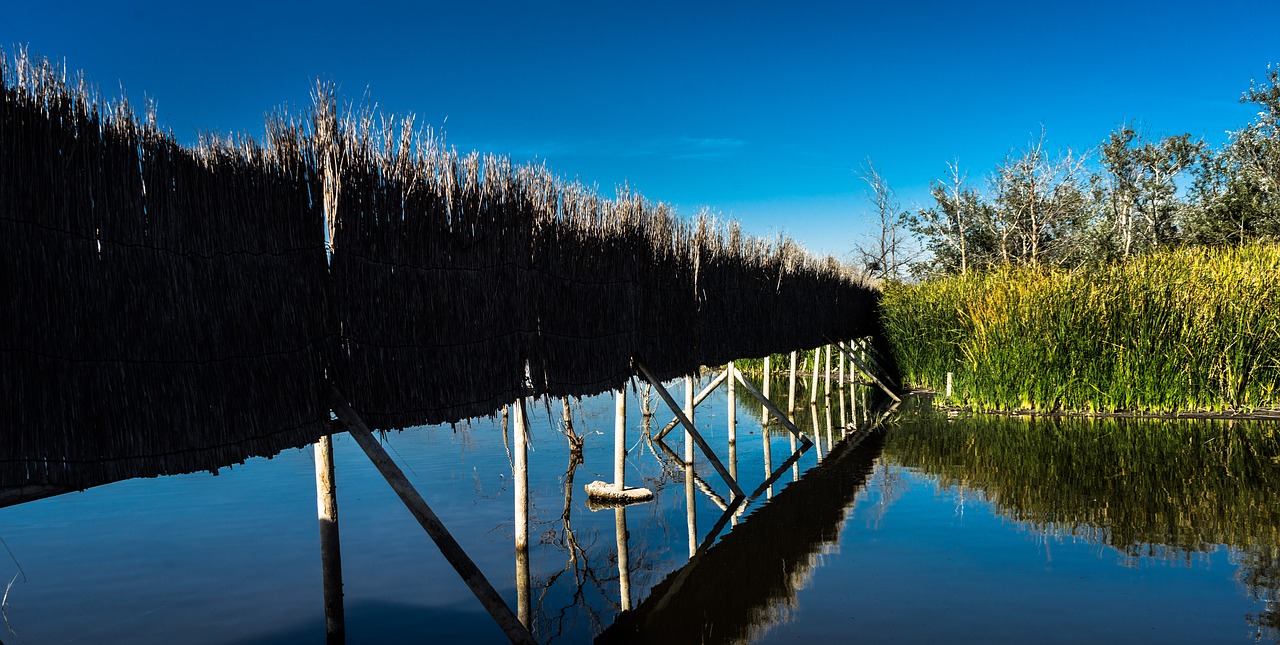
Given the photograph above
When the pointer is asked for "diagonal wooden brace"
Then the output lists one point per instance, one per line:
(773, 409)
(872, 353)
(866, 370)
(702, 396)
(448, 546)
(688, 426)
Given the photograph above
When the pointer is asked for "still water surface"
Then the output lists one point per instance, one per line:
(933, 529)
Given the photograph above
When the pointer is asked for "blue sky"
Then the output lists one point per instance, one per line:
(760, 110)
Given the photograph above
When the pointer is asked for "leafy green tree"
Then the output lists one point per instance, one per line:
(954, 230)
(1137, 189)
(1039, 206)
(1237, 191)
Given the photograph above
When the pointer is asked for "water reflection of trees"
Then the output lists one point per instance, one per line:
(1149, 488)
(588, 583)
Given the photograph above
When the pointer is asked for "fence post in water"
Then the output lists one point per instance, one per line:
(844, 419)
(521, 476)
(768, 373)
(827, 386)
(791, 394)
(813, 390)
(449, 547)
(830, 434)
(948, 385)
(620, 439)
(733, 409)
(624, 572)
(817, 431)
(330, 551)
(689, 499)
(842, 359)
(732, 372)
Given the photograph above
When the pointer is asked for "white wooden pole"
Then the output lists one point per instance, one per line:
(521, 476)
(690, 430)
(624, 564)
(733, 408)
(791, 395)
(813, 388)
(768, 376)
(330, 549)
(620, 439)
(827, 387)
(449, 547)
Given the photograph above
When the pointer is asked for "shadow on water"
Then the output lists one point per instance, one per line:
(392, 622)
(1149, 488)
(748, 580)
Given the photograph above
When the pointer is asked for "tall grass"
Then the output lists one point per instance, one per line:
(1191, 329)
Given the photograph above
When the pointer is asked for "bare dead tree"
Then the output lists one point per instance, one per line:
(887, 252)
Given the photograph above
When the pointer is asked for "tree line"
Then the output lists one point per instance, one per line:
(1131, 195)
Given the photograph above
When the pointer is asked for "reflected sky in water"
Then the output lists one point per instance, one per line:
(960, 530)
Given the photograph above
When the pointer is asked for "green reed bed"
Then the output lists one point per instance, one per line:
(1191, 329)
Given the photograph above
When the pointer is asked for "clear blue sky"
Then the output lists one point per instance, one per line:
(760, 110)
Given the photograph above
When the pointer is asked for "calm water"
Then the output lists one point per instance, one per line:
(933, 530)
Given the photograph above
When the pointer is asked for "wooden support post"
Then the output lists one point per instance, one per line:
(768, 448)
(620, 439)
(844, 417)
(866, 370)
(853, 396)
(948, 385)
(813, 390)
(617, 492)
(791, 395)
(831, 442)
(697, 400)
(448, 546)
(688, 413)
(692, 432)
(795, 465)
(827, 385)
(842, 362)
(777, 414)
(330, 550)
(768, 377)
(521, 477)
(624, 570)
(690, 501)
(730, 372)
(817, 432)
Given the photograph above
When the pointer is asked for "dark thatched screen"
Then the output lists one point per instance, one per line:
(172, 309)
(431, 271)
(585, 276)
(163, 305)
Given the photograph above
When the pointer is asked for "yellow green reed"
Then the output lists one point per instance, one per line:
(1182, 330)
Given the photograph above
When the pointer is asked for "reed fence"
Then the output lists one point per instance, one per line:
(173, 309)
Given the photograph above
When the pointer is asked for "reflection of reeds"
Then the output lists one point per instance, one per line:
(1146, 487)
(174, 309)
(1181, 330)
